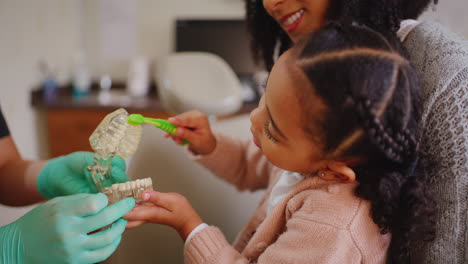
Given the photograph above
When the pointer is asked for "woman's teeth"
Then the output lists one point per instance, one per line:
(293, 18)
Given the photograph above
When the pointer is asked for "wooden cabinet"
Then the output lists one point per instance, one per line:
(71, 121)
(69, 129)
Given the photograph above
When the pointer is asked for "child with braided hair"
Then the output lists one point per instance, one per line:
(336, 145)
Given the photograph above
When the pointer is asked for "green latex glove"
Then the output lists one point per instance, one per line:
(57, 231)
(66, 175)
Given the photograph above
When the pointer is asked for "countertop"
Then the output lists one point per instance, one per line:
(115, 98)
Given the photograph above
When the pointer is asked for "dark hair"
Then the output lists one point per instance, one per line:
(381, 15)
(373, 113)
(411, 9)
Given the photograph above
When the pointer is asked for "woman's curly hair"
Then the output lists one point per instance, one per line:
(381, 15)
(373, 113)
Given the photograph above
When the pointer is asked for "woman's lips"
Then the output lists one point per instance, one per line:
(291, 22)
(293, 26)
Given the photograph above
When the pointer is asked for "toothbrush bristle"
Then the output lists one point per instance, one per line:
(135, 119)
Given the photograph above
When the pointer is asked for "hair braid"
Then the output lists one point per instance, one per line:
(398, 146)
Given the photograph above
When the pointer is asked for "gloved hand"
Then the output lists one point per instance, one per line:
(66, 175)
(57, 231)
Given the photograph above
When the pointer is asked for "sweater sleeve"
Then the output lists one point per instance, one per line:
(303, 242)
(238, 162)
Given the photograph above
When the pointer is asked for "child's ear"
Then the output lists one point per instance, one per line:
(337, 171)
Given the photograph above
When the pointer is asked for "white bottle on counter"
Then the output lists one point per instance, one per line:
(138, 77)
(81, 80)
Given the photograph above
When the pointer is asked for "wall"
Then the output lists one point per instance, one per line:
(154, 29)
(451, 13)
(31, 31)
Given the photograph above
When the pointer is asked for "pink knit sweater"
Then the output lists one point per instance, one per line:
(318, 222)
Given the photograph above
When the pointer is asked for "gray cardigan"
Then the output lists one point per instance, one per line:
(441, 60)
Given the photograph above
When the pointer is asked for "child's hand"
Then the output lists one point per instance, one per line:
(170, 209)
(194, 127)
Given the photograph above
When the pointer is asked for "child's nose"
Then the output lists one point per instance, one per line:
(252, 115)
(256, 114)
(254, 118)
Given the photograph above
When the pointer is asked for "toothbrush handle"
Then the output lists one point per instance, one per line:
(165, 126)
(184, 141)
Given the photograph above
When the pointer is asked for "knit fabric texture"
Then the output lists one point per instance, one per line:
(441, 60)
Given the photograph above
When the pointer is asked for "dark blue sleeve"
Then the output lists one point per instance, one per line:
(3, 126)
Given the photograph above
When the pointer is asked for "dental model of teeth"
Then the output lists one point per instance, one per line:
(113, 136)
(135, 189)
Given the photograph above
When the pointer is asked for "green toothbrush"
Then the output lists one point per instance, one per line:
(137, 119)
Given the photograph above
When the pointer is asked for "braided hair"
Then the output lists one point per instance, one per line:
(373, 113)
(383, 16)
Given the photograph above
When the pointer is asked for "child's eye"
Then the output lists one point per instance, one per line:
(268, 133)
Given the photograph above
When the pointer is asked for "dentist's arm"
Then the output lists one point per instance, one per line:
(25, 182)
(18, 177)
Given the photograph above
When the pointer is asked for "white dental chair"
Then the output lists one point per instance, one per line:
(198, 80)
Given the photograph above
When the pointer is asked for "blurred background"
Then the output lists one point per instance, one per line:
(65, 64)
